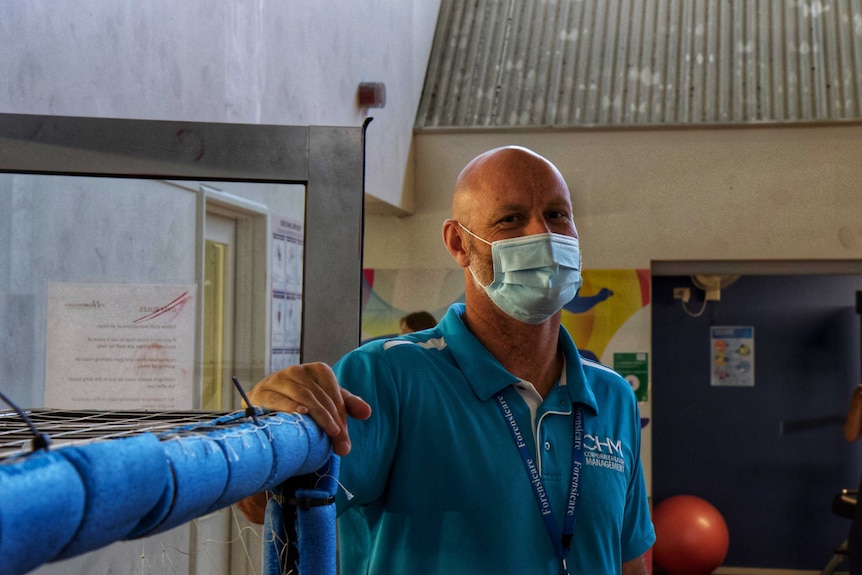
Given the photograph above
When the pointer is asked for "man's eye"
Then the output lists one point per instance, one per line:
(558, 215)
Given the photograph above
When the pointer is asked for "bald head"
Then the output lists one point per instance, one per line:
(499, 172)
(504, 193)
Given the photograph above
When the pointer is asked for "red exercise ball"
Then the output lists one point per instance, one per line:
(691, 536)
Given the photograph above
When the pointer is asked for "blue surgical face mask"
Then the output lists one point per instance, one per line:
(534, 276)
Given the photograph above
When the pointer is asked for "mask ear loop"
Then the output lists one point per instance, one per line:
(472, 273)
(471, 233)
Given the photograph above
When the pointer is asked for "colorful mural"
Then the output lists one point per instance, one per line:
(608, 299)
(389, 295)
(598, 317)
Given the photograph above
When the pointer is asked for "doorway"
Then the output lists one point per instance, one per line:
(218, 334)
(232, 309)
(768, 450)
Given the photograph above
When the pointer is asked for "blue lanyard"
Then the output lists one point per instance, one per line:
(562, 542)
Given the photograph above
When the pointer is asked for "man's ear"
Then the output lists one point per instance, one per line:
(454, 243)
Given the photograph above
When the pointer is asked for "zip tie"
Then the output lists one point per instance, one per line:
(250, 410)
(40, 440)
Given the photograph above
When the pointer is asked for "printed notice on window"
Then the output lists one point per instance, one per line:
(120, 346)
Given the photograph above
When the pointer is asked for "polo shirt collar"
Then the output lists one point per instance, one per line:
(579, 387)
(485, 374)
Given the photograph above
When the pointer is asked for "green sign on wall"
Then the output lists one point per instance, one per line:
(635, 368)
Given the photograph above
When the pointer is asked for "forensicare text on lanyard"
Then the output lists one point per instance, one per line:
(562, 541)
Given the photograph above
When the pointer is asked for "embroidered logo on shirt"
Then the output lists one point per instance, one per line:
(607, 453)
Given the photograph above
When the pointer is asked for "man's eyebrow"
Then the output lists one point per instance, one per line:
(506, 210)
(560, 203)
(511, 207)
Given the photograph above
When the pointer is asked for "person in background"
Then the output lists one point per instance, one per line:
(417, 321)
(484, 445)
(852, 432)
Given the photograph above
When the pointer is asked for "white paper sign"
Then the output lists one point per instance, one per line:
(287, 255)
(120, 346)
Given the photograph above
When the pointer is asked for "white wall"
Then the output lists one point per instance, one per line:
(644, 195)
(65, 229)
(241, 61)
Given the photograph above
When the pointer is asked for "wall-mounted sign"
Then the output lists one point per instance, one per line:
(635, 368)
(732, 351)
(287, 257)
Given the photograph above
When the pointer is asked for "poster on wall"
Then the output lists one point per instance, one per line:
(732, 351)
(634, 367)
(286, 265)
(120, 346)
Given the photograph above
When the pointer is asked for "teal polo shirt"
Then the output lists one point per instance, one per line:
(435, 484)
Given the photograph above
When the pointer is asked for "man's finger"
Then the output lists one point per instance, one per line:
(356, 407)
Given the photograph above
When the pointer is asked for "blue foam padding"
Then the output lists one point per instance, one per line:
(299, 447)
(248, 453)
(200, 473)
(123, 479)
(41, 507)
(327, 475)
(58, 504)
(315, 529)
(274, 539)
(157, 514)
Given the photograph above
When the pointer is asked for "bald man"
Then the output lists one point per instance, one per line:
(485, 445)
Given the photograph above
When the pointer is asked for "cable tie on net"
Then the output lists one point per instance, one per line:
(40, 440)
(250, 410)
(306, 503)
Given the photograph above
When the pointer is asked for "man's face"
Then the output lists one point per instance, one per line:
(539, 204)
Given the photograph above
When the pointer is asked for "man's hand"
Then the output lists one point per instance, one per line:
(308, 388)
(313, 389)
(254, 507)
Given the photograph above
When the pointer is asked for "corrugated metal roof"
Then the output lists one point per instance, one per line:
(527, 63)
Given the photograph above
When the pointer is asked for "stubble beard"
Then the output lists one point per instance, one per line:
(481, 266)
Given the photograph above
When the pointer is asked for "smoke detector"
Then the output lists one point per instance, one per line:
(711, 284)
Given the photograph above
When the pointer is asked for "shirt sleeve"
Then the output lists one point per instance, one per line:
(638, 534)
(365, 470)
